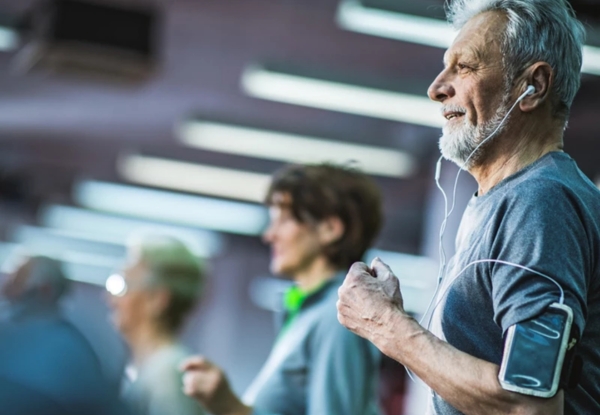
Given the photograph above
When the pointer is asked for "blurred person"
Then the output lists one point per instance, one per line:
(322, 219)
(529, 240)
(46, 365)
(159, 286)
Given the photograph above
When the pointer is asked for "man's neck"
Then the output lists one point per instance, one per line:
(314, 275)
(146, 340)
(513, 151)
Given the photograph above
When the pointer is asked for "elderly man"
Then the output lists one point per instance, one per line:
(530, 233)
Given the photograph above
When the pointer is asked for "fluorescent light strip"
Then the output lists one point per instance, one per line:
(336, 96)
(86, 273)
(10, 256)
(591, 60)
(117, 230)
(353, 16)
(195, 178)
(412, 270)
(294, 148)
(76, 266)
(9, 39)
(197, 211)
(417, 276)
(58, 243)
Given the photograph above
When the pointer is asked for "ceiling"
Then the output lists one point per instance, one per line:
(55, 129)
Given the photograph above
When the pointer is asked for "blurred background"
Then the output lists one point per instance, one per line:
(123, 115)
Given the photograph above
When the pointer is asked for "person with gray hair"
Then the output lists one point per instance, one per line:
(37, 282)
(159, 286)
(518, 306)
(46, 365)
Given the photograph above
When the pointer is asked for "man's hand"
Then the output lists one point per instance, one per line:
(207, 383)
(368, 298)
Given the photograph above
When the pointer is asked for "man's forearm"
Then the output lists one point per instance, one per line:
(467, 383)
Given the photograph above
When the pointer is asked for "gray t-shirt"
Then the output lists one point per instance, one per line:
(545, 217)
(317, 366)
(158, 386)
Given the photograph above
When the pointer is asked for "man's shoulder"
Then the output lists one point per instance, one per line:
(553, 182)
(552, 175)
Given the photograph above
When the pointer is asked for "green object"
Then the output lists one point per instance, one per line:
(293, 299)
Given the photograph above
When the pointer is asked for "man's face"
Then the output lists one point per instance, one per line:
(294, 245)
(472, 88)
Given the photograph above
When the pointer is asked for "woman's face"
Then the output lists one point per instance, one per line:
(294, 245)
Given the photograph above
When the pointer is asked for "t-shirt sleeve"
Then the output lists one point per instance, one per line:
(259, 411)
(341, 371)
(541, 229)
(166, 394)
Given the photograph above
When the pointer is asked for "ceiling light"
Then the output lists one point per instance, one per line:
(76, 266)
(56, 243)
(194, 178)
(291, 148)
(352, 15)
(311, 92)
(164, 206)
(591, 60)
(118, 230)
(9, 39)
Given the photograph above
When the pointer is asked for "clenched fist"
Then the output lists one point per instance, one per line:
(207, 383)
(368, 299)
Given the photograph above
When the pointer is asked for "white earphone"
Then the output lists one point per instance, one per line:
(530, 90)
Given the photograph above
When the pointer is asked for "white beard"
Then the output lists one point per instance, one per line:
(459, 142)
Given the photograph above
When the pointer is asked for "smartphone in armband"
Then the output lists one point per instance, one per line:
(534, 352)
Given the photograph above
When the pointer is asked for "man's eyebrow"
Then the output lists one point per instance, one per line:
(446, 58)
(477, 53)
(469, 53)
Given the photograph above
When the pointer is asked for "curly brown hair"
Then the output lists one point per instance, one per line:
(321, 191)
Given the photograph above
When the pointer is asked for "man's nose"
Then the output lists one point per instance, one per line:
(441, 88)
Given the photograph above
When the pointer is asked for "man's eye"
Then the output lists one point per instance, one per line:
(464, 68)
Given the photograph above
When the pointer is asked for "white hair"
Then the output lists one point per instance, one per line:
(172, 266)
(537, 30)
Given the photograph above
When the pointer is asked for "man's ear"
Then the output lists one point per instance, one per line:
(330, 230)
(541, 76)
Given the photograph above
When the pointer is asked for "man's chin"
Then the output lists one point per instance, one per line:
(450, 150)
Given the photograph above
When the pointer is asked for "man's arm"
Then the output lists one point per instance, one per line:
(370, 304)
